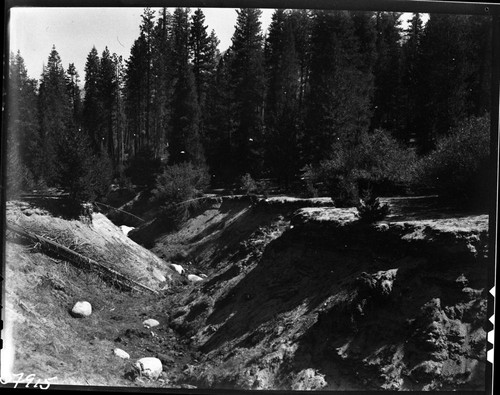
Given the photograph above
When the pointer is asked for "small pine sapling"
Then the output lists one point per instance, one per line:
(370, 209)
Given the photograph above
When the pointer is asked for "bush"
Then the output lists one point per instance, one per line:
(459, 166)
(371, 210)
(86, 176)
(377, 164)
(250, 187)
(248, 184)
(178, 184)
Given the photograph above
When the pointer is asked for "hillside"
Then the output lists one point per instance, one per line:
(298, 295)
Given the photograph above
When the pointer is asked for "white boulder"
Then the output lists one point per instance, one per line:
(149, 367)
(126, 229)
(121, 354)
(194, 278)
(82, 309)
(150, 323)
(178, 268)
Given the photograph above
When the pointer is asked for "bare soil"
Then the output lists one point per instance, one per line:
(299, 295)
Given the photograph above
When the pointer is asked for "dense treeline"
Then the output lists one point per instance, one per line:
(316, 90)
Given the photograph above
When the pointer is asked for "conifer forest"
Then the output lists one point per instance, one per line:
(325, 102)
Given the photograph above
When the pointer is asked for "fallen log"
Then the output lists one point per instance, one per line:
(120, 210)
(78, 260)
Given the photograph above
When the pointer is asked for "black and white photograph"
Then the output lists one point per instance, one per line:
(199, 196)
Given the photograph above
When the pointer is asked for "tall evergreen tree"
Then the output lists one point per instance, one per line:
(73, 84)
(302, 25)
(218, 123)
(341, 82)
(118, 119)
(203, 49)
(134, 97)
(147, 36)
(107, 97)
(247, 84)
(282, 113)
(138, 86)
(55, 115)
(185, 143)
(411, 75)
(162, 87)
(387, 94)
(92, 106)
(452, 62)
(22, 123)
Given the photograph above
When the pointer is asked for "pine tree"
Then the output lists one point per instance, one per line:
(73, 81)
(247, 84)
(387, 95)
(411, 80)
(118, 112)
(341, 81)
(55, 115)
(282, 113)
(203, 49)
(138, 86)
(92, 106)
(451, 65)
(302, 24)
(107, 98)
(147, 36)
(162, 87)
(134, 98)
(218, 124)
(22, 126)
(185, 143)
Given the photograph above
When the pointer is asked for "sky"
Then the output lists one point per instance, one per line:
(74, 31)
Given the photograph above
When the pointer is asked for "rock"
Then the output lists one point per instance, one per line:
(149, 367)
(377, 284)
(308, 379)
(426, 370)
(178, 268)
(126, 229)
(150, 323)
(121, 354)
(194, 278)
(82, 309)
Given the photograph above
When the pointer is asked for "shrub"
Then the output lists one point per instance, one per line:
(178, 184)
(85, 175)
(371, 210)
(458, 167)
(248, 184)
(377, 163)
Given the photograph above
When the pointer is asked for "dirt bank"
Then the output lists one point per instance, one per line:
(298, 295)
(313, 299)
(96, 237)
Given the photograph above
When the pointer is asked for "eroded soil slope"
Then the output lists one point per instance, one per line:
(298, 295)
(98, 239)
(316, 300)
